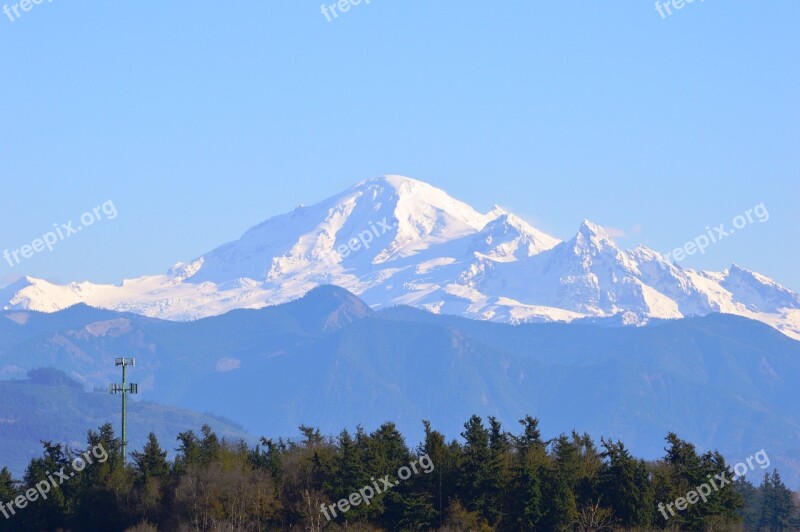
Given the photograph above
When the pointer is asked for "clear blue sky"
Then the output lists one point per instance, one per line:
(201, 119)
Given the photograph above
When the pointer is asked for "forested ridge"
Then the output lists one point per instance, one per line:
(488, 479)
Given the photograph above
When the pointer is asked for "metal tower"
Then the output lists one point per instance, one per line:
(124, 389)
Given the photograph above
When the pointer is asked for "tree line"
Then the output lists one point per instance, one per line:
(489, 480)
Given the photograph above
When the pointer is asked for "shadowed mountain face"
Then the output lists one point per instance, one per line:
(326, 359)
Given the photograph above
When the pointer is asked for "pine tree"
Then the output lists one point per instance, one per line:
(567, 456)
(497, 506)
(751, 498)
(152, 461)
(349, 474)
(439, 485)
(625, 486)
(210, 446)
(589, 464)
(526, 506)
(270, 459)
(7, 493)
(474, 472)
(530, 459)
(101, 488)
(560, 509)
(684, 473)
(151, 469)
(387, 453)
(722, 507)
(778, 511)
(53, 512)
(189, 452)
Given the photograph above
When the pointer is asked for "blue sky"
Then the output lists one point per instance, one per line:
(201, 119)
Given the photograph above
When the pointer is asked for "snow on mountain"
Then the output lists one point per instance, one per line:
(395, 240)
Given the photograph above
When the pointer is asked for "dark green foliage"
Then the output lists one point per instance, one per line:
(56, 508)
(7, 493)
(624, 484)
(683, 472)
(152, 461)
(474, 477)
(490, 480)
(776, 509)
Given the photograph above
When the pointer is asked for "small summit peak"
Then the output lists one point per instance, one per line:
(593, 237)
(496, 212)
(736, 270)
(392, 180)
(590, 229)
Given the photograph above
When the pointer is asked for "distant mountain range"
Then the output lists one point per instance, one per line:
(396, 240)
(329, 360)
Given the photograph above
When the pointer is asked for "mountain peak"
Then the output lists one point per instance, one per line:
(508, 236)
(758, 292)
(593, 238)
(393, 180)
(397, 240)
(497, 211)
(589, 229)
(329, 307)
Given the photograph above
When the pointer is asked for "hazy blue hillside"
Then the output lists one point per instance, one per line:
(721, 381)
(51, 406)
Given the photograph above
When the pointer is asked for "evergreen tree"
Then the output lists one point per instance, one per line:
(270, 459)
(54, 511)
(723, 505)
(210, 446)
(152, 461)
(778, 511)
(560, 509)
(8, 492)
(189, 452)
(387, 453)
(589, 464)
(683, 473)
(530, 459)
(751, 498)
(625, 487)
(102, 487)
(526, 506)
(152, 471)
(439, 485)
(498, 496)
(474, 468)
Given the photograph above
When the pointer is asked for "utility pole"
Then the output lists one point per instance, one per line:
(124, 389)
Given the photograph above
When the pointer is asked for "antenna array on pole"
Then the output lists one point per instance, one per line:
(124, 389)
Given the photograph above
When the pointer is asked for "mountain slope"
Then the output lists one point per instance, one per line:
(60, 409)
(328, 360)
(395, 240)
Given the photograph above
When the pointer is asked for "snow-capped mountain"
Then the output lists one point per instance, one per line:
(396, 240)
